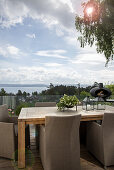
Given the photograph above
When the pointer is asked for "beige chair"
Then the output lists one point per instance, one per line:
(100, 139)
(37, 127)
(45, 104)
(59, 143)
(9, 134)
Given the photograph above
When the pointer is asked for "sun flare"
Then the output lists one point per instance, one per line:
(89, 10)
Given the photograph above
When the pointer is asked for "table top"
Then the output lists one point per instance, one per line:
(39, 113)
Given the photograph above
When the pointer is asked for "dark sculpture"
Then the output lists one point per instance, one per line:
(100, 92)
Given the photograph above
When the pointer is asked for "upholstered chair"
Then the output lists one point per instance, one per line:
(37, 127)
(45, 104)
(9, 134)
(100, 139)
(59, 143)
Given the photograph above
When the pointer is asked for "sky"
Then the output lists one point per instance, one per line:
(38, 45)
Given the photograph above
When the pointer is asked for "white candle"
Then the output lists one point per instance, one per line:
(88, 106)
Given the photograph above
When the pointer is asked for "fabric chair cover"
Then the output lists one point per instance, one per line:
(100, 139)
(9, 134)
(3, 113)
(37, 127)
(45, 104)
(59, 143)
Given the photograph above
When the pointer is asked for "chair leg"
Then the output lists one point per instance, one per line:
(105, 167)
(37, 136)
(27, 136)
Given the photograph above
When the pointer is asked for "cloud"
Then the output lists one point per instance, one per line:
(10, 51)
(31, 35)
(53, 64)
(83, 65)
(49, 12)
(64, 75)
(104, 75)
(57, 15)
(10, 22)
(38, 75)
(59, 32)
(89, 58)
(52, 53)
(13, 50)
(12, 12)
(71, 40)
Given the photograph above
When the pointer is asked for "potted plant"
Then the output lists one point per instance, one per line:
(67, 102)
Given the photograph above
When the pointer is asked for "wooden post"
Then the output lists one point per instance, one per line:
(21, 144)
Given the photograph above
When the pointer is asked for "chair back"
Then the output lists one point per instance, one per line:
(62, 142)
(45, 104)
(3, 113)
(108, 138)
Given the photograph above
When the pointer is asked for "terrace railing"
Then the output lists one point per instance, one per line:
(15, 103)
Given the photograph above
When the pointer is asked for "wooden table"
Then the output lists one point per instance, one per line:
(36, 115)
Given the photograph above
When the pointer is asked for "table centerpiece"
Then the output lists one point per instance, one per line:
(67, 102)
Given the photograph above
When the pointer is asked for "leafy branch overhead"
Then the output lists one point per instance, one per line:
(97, 26)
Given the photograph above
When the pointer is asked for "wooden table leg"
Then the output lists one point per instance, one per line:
(21, 144)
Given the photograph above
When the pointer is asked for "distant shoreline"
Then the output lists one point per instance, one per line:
(23, 85)
(27, 88)
(40, 85)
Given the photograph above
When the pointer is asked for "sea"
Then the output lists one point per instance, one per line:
(29, 89)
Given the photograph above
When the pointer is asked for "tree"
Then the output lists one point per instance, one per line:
(111, 87)
(24, 94)
(84, 94)
(19, 93)
(97, 26)
(51, 86)
(35, 93)
(63, 89)
(3, 92)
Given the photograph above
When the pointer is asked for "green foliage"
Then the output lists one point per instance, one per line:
(19, 93)
(98, 27)
(35, 93)
(111, 87)
(60, 90)
(63, 89)
(24, 94)
(3, 92)
(51, 85)
(84, 94)
(67, 102)
(20, 106)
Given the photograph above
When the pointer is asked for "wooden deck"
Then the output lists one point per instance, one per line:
(33, 162)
